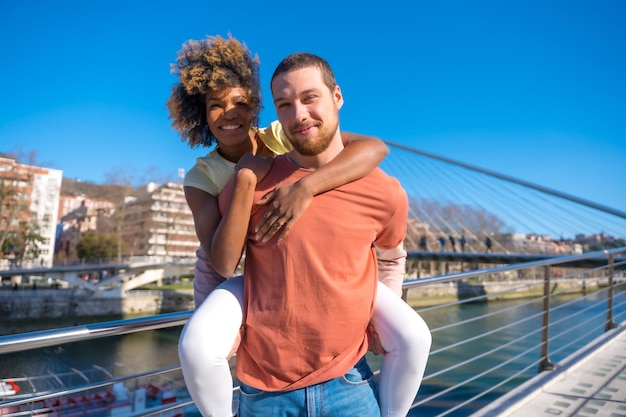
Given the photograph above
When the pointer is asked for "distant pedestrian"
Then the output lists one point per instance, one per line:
(488, 243)
(442, 243)
(452, 243)
(462, 241)
(423, 243)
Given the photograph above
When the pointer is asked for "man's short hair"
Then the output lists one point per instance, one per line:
(302, 60)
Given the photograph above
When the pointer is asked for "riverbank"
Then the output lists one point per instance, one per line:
(73, 306)
(29, 305)
(436, 294)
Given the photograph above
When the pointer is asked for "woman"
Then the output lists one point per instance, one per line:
(218, 99)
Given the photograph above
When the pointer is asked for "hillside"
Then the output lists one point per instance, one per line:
(109, 192)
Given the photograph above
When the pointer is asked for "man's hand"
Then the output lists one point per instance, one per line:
(286, 203)
(374, 341)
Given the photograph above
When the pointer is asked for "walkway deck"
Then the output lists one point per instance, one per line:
(591, 382)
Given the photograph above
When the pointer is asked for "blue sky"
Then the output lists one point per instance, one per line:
(532, 89)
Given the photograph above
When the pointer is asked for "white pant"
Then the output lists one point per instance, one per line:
(209, 335)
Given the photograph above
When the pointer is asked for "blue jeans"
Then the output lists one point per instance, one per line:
(352, 395)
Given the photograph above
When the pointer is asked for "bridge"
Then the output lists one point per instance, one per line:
(116, 279)
(452, 199)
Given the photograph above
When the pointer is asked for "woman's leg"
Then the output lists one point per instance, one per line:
(406, 339)
(204, 347)
(205, 278)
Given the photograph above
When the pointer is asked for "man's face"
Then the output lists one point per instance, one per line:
(307, 109)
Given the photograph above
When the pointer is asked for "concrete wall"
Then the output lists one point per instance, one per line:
(434, 294)
(26, 304)
(29, 304)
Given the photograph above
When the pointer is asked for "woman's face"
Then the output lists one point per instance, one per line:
(229, 116)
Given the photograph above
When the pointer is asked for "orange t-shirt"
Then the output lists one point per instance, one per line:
(309, 298)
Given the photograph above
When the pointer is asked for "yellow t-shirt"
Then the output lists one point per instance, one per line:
(274, 138)
(212, 172)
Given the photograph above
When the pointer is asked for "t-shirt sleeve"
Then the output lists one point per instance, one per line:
(210, 173)
(274, 138)
(393, 233)
(198, 177)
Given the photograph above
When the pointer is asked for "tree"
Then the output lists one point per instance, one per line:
(19, 227)
(97, 246)
(431, 219)
(27, 239)
(9, 207)
(122, 178)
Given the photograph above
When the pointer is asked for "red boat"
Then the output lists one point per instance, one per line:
(115, 401)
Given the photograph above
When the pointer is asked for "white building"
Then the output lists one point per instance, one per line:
(35, 193)
(158, 223)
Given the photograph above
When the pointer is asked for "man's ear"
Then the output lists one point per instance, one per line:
(338, 97)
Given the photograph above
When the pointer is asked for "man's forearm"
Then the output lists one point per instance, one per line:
(359, 157)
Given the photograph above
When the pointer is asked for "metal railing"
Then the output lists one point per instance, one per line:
(558, 305)
(586, 282)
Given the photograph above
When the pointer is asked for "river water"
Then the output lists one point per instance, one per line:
(157, 349)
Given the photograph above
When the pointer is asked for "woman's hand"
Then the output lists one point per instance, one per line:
(374, 341)
(260, 165)
(285, 205)
(235, 347)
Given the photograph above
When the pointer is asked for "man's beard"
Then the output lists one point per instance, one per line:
(317, 145)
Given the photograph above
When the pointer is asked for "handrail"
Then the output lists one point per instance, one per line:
(53, 337)
(516, 267)
(43, 338)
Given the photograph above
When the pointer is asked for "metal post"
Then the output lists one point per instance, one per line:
(545, 364)
(610, 324)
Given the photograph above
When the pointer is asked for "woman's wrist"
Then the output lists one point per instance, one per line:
(246, 176)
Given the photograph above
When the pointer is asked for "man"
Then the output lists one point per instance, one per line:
(309, 297)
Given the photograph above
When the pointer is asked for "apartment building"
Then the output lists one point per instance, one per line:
(155, 222)
(77, 216)
(158, 224)
(71, 203)
(30, 202)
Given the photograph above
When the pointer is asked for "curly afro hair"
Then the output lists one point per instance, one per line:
(211, 64)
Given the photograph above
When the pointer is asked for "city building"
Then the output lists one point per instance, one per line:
(71, 203)
(28, 213)
(157, 223)
(78, 215)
